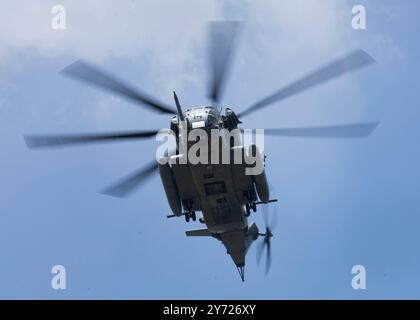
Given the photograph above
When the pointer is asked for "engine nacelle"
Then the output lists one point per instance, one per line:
(171, 189)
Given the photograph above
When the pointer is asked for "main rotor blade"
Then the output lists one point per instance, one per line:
(128, 184)
(93, 75)
(353, 61)
(357, 130)
(221, 47)
(45, 141)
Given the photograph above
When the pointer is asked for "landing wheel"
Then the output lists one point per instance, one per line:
(247, 210)
(254, 207)
(190, 215)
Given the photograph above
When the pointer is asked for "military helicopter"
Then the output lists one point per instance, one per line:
(223, 193)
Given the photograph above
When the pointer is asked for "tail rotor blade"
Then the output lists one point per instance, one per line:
(266, 243)
(260, 250)
(265, 215)
(268, 258)
(273, 224)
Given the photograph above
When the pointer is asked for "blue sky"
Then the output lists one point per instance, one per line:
(341, 202)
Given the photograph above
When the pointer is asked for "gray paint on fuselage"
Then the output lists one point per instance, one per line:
(218, 190)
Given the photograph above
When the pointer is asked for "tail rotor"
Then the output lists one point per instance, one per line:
(265, 245)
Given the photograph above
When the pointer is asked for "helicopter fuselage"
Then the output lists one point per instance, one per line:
(220, 189)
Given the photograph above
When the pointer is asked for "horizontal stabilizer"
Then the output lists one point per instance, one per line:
(198, 233)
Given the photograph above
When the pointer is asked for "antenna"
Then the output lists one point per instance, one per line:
(178, 108)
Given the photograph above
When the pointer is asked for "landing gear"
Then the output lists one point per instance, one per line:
(247, 210)
(254, 207)
(248, 207)
(251, 205)
(190, 215)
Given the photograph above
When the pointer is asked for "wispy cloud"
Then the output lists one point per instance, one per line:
(281, 40)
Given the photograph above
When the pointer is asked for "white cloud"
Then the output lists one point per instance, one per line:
(281, 41)
(99, 30)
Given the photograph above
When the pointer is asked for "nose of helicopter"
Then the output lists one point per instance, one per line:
(201, 117)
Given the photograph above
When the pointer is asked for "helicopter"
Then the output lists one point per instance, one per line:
(223, 192)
